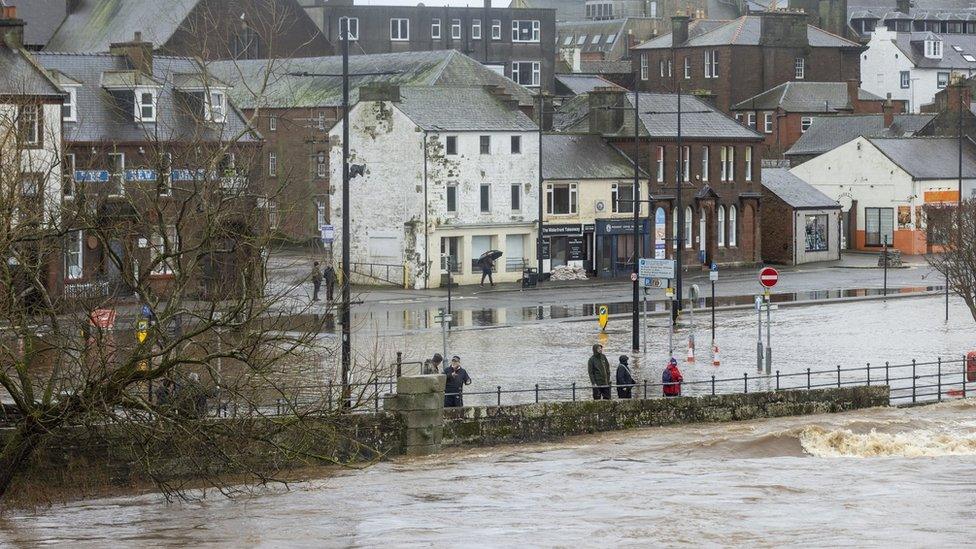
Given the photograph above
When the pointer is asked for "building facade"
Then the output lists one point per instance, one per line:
(455, 183)
(519, 43)
(800, 224)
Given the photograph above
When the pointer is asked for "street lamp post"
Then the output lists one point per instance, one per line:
(635, 320)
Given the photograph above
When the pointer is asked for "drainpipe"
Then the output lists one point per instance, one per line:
(426, 226)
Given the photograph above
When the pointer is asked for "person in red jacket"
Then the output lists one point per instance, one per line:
(671, 378)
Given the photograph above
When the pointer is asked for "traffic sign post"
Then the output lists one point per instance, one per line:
(713, 278)
(768, 277)
(603, 317)
(142, 330)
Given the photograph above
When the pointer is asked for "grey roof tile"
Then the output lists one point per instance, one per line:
(745, 31)
(583, 83)
(696, 28)
(573, 156)
(829, 132)
(805, 97)
(795, 191)
(589, 30)
(19, 75)
(43, 17)
(912, 45)
(929, 157)
(96, 24)
(471, 108)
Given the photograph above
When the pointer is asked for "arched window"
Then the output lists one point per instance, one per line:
(733, 228)
(689, 237)
(674, 227)
(721, 225)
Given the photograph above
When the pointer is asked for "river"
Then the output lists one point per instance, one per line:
(871, 478)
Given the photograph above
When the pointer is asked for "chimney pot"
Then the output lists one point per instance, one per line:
(11, 27)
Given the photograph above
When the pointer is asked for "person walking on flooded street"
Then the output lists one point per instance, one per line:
(316, 280)
(671, 378)
(330, 282)
(625, 379)
(457, 378)
(599, 370)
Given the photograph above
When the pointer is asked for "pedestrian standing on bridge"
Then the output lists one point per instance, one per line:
(671, 379)
(625, 379)
(599, 370)
(457, 378)
(330, 282)
(316, 280)
(433, 365)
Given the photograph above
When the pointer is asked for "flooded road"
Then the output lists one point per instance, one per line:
(872, 478)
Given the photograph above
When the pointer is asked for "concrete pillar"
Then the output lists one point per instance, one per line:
(420, 403)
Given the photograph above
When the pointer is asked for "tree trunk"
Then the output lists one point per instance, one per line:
(16, 452)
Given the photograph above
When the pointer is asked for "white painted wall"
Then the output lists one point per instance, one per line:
(44, 160)
(833, 236)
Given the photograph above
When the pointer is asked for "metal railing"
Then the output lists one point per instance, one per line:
(395, 275)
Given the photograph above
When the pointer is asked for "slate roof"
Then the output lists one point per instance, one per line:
(566, 10)
(929, 157)
(583, 83)
(606, 67)
(607, 33)
(794, 191)
(912, 45)
(96, 24)
(745, 31)
(42, 18)
(101, 119)
(920, 10)
(471, 108)
(19, 75)
(826, 133)
(696, 28)
(573, 156)
(269, 83)
(805, 97)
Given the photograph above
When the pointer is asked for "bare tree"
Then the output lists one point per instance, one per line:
(954, 230)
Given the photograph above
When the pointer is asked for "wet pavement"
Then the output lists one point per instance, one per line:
(871, 478)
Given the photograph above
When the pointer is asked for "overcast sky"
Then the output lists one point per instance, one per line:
(472, 3)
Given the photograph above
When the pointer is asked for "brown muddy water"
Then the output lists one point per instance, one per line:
(872, 478)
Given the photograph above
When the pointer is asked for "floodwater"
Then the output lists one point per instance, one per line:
(871, 478)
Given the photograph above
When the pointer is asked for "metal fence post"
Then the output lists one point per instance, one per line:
(808, 379)
(869, 374)
(777, 380)
(964, 376)
(574, 391)
(645, 389)
(838, 376)
(745, 383)
(888, 383)
(536, 393)
(499, 395)
(713, 385)
(939, 380)
(913, 380)
(399, 364)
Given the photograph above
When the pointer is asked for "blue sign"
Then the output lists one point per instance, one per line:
(714, 267)
(140, 175)
(146, 311)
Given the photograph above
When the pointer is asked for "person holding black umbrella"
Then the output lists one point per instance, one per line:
(487, 263)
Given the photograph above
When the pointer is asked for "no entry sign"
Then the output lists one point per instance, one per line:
(768, 277)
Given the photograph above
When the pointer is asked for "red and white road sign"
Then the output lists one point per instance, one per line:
(103, 318)
(768, 277)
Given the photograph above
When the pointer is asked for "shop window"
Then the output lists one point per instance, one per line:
(879, 226)
(816, 233)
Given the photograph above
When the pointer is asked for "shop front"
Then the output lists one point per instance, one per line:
(568, 244)
(615, 246)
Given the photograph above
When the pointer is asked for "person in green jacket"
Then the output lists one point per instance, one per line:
(599, 369)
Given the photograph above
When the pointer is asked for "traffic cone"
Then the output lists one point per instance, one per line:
(691, 349)
(716, 361)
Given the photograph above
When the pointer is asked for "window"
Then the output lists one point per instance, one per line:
(485, 144)
(933, 49)
(352, 29)
(799, 68)
(686, 164)
(611, 38)
(164, 247)
(905, 79)
(596, 39)
(217, 107)
(580, 40)
(476, 29)
(621, 198)
(704, 164)
(451, 198)
(879, 226)
(660, 164)
(674, 227)
(730, 160)
(526, 31)
(400, 29)
(816, 233)
(321, 121)
(69, 109)
(455, 29)
(748, 163)
(29, 124)
(643, 66)
(751, 120)
(805, 123)
(725, 152)
(660, 65)
(942, 79)
(526, 73)
(516, 144)
(484, 198)
(733, 228)
(568, 41)
(653, 11)
(451, 145)
(116, 170)
(68, 176)
(320, 213)
(451, 247)
(272, 214)
(496, 29)
(435, 29)
(321, 166)
(689, 218)
(721, 225)
(516, 197)
(273, 123)
(247, 44)
(74, 252)
(145, 106)
(768, 122)
(968, 57)
(687, 68)
(561, 198)
(711, 63)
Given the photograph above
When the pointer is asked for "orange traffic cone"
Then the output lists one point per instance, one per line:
(716, 361)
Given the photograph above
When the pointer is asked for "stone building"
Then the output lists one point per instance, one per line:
(800, 224)
(739, 59)
(450, 172)
(519, 43)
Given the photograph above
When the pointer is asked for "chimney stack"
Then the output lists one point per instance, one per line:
(606, 106)
(11, 27)
(958, 96)
(904, 6)
(138, 52)
(679, 29)
(853, 93)
(783, 28)
(888, 112)
(379, 91)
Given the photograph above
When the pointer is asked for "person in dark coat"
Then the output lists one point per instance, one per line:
(487, 265)
(625, 380)
(433, 365)
(599, 370)
(457, 378)
(316, 276)
(330, 282)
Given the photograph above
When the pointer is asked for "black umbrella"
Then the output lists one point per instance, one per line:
(490, 255)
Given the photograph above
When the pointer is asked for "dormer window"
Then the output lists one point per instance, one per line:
(217, 107)
(933, 49)
(69, 108)
(145, 105)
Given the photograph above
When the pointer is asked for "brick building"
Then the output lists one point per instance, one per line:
(799, 224)
(739, 59)
(209, 29)
(784, 113)
(720, 170)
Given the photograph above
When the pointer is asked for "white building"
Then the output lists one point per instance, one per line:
(887, 186)
(447, 171)
(914, 66)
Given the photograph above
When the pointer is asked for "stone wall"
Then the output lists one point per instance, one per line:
(546, 421)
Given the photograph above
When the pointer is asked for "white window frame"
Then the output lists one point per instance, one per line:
(674, 228)
(714, 63)
(751, 120)
(476, 29)
(939, 82)
(272, 164)
(723, 152)
(74, 248)
(402, 24)
(670, 68)
(535, 34)
(496, 29)
(689, 226)
(70, 103)
(33, 132)
(321, 165)
(643, 66)
(748, 164)
(484, 198)
(573, 190)
(435, 29)
(273, 123)
(455, 29)
(216, 106)
(800, 68)
(273, 218)
(705, 160)
(352, 29)
(805, 123)
(687, 67)
(733, 228)
(536, 77)
(731, 160)
(320, 213)
(721, 225)
(686, 163)
(660, 164)
(905, 79)
(615, 198)
(660, 67)
(768, 122)
(139, 114)
(158, 249)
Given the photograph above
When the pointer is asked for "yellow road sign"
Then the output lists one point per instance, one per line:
(604, 316)
(142, 330)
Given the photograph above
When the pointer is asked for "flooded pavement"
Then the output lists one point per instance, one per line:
(871, 478)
